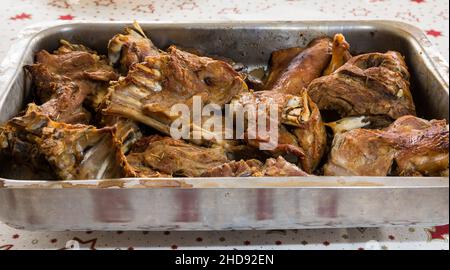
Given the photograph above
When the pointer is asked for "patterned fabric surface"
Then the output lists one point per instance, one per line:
(429, 15)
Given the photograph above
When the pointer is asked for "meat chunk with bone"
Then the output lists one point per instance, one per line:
(409, 146)
(306, 66)
(252, 167)
(173, 157)
(130, 48)
(66, 105)
(71, 63)
(340, 54)
(241, 168)
(279, 62)
(280, 167)
(374, 84)
(151, 88)
(71, 77)
(73, 151)
(139, 168)
(301, 132)
(126, 130)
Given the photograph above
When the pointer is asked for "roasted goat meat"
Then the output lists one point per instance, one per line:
(69, 64)
(72, 151)
(252, 167)
(279, 63)
(66, 105)
(307, 65)
(71, 77)
(373, 84)
(150, 89)
(377, 133)
(280, 167)
(241, 168)
(408, 147)
(130, 48)
(126, 130)
(301, 132)
(164, 156)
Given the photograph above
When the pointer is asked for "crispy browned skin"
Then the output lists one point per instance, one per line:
(301, 131)
(245, 168)
(305, 67)
(73, 151)
(374, 84)
(409, 146)
(152, 87)
(340, 54)
(279, 62)
(174, 157)
(130, 47)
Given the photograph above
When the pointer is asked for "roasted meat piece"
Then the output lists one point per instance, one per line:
(278, 63)
(422, 147)
(66, 105)
(173, 157)
(241, 168)
(340, 54)
(280, 167)
(16, 145)
(374, 84)
(301, 132)
(151, 88)
(130, 47)
(235, 65)
(306, 66)
(73, 151)
(409, 147)
(139, 168)
(252, 167)
(125, 130)
(71, 63)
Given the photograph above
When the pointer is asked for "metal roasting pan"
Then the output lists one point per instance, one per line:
(235, 203)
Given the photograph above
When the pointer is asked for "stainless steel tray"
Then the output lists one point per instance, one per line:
(236, 203)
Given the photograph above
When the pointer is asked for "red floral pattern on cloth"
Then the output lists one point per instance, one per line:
(21, 16)
(434, 33)
(67, 17)
(437, 233)
(429, 15)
